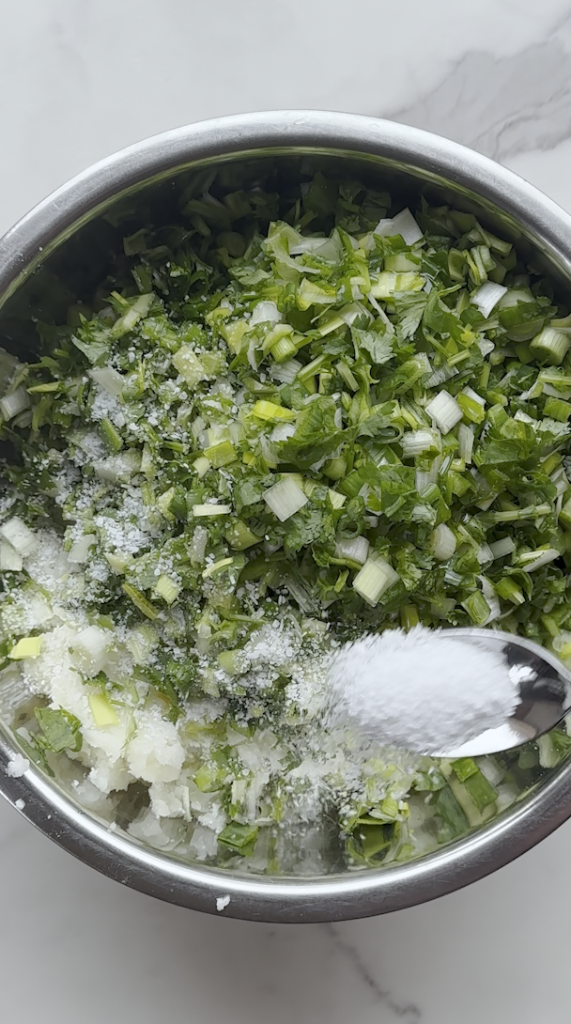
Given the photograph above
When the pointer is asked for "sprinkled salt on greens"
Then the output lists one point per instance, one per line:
(280, 427)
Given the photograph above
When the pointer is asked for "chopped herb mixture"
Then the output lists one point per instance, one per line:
(276, 428)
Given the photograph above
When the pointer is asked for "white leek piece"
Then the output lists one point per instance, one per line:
(19, 536)
(27, 647)
(388, 282)
(502, 547)
(484, 554)
(10, 559)
(487, 296)
(167, 588)
(265, 312)
(445, 411)
(531, 560)
(286, 372)
(90, 650)
(103, 712)
(12, 404)
(282, 431)
(336, 498)
(443, 542)
(118, 469)
(403, 224)
(209, 511)
(109, 379)
(486, 347)
(466, 440)
(355, 548)
(373, 579)
(189, 365)
(285, 498)
(425, 478)
(79, 551)
(491, 599)
(198, 545)
(551, 344)
(415, 442)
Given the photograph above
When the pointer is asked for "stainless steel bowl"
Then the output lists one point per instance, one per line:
(285, 142)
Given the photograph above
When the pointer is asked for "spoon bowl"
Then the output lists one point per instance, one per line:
(541, 681)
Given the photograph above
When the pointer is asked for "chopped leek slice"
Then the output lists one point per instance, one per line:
(103, 712)
(445, 411)
(374, 579)
(285, 498)
(27, 647)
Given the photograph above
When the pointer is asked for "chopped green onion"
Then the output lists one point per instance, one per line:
(10, 560)
(472, 405)
(103, 712)
(409, 617)
(337, 500)
(477, 607)
(109, 379)
(140, 601)
(557, 409)
(509, 590)
(27, 647)
(240, 537)
(137, 311)
(14, 403)
(60, 730)
(402, 224)
(189, 365)
(565, 514)
(287, 372)
(19, 536)
(285, 498)
(270, 411)
(500, 548)
(210, 511)
(552, 345)
(466, 442)
(488, 296)
(388, 283)
(443, 542)
(374, 579)
(532, 560)
(167, 588)
(354, 550)
(415, 442)
(445, 411)
(335, 469)
(110, 435)
(201, 466)
(222, 563)
(238, 837)
(219, 455)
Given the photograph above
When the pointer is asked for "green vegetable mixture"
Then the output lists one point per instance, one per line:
(278, 425)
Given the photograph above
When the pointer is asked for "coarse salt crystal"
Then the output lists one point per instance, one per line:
(17, 766)
(222, 902)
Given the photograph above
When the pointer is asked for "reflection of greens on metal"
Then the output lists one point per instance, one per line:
(60, 730)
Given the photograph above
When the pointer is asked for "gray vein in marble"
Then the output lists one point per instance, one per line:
(407, 1013)
(502, 106)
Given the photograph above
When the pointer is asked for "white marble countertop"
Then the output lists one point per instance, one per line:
(80, 79)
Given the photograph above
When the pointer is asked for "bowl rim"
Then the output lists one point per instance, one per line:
(323, 898)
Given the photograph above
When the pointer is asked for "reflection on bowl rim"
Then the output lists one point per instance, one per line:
(390, 146)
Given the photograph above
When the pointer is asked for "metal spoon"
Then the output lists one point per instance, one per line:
(544, 687)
